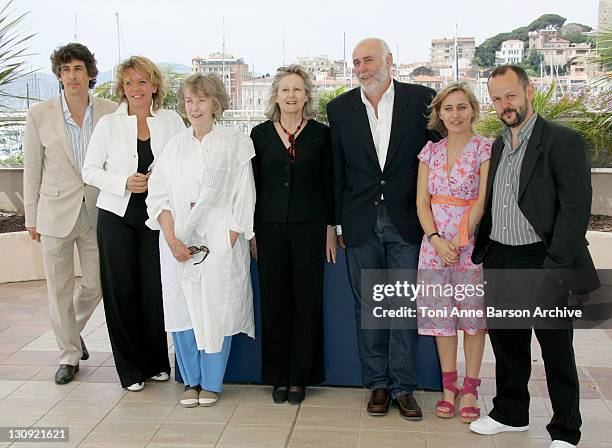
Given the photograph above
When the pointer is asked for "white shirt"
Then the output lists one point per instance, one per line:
(381, 126)
(78, 136)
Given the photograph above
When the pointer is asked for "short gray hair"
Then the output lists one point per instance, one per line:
(310, 108)
(208, 85)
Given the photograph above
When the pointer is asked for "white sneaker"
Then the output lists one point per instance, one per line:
(136, 387)
(488, 426)
(561, 444)
(161, 376)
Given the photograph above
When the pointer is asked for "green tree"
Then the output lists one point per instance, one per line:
(585, 113)
(13, 160)
(484, 56)
(534, 60)
(324, 99)
(604, 50)
(173, 81)
(13, 58)
(105, 90)
(604, 59)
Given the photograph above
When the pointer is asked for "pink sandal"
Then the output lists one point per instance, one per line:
(446, 409)
(469, 414)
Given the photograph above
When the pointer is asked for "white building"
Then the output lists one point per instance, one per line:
(556, 51)
(512, 52)
(255, 93)
(232, 70)
(316, 64)
(443, 51)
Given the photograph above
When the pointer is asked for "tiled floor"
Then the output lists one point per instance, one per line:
(101, 414)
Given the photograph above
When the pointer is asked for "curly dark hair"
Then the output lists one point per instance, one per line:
(70, 52)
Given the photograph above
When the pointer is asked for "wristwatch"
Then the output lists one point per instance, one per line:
(431, 235)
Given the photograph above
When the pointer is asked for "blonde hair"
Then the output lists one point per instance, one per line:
(310, 108)
(147, 68)
(209, 85)
(435, 123)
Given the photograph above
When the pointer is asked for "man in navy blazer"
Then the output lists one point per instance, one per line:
(377, 131)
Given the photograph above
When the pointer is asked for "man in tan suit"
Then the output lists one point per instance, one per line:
(60, 209)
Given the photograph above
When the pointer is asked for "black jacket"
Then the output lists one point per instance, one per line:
(298, 192)
(555, 196)
(359, 181)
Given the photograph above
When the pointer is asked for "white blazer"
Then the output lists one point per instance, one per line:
(112, 155)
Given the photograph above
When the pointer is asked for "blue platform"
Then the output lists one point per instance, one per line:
(342, 366)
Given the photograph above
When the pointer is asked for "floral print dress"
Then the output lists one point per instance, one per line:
(451, 281)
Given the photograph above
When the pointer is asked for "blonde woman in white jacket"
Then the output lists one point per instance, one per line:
(120, 158)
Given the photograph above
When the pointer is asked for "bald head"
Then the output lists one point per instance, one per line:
(372, 61)
(373, 43)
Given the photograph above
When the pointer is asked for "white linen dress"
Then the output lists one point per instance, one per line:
(208, 187)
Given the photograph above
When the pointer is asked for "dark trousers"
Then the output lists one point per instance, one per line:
(291, 264)
(388, 356)
(512, 349)
(131, 289)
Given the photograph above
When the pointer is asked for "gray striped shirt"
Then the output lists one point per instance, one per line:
(509, 224)
(78, 137)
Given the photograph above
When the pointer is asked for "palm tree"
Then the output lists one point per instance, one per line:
(588, 115)
(12, 49)
(604, 50)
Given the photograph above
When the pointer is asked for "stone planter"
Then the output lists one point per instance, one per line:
(601, 180)
(21, 258)
(600, 246)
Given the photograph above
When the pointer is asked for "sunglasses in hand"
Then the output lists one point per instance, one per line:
(195, 250)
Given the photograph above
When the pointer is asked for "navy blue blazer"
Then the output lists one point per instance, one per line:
(359, 181)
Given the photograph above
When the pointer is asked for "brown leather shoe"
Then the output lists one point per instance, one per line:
(409, 408)
(379, 402)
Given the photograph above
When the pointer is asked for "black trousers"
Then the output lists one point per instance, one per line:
(291, 263)
(131, 289)
(512, 349)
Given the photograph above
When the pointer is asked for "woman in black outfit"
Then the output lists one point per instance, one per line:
(119, 160)
(294, 230)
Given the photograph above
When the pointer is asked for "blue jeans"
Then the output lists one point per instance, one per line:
(388, 356)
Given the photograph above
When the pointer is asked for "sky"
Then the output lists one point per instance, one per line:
(176, 31)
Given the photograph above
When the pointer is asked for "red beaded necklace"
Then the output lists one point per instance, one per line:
(291, 138)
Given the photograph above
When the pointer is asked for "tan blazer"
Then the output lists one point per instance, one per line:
(53, 189)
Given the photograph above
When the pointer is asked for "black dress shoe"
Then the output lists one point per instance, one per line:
(85, 352)
(296, 394)
(279, 394)
(409, 408)
(379, 402)
(65, 373)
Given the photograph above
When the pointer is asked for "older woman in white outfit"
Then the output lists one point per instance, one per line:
(202, 196)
